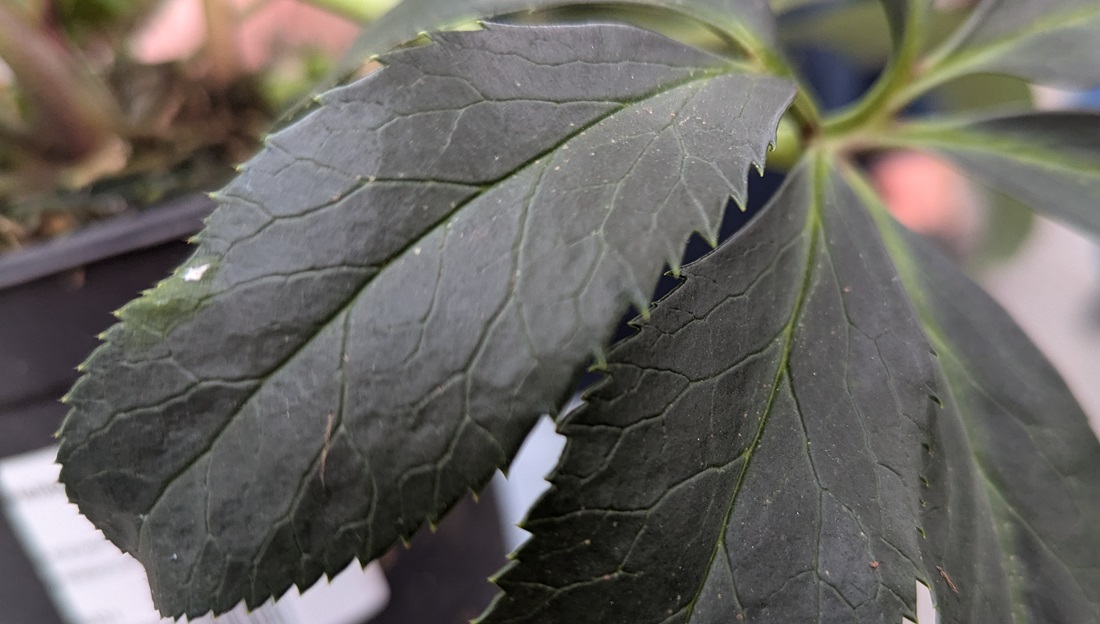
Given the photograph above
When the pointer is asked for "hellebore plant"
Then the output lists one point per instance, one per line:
(824, 412)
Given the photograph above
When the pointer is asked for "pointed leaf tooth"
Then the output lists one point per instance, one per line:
(673, 259)
(599, 360)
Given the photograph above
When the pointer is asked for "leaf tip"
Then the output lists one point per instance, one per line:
(711, 236)
(642, 304)
(599, 362)
(674, 265)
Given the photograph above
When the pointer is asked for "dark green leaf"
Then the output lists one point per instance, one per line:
(1049, 161)
(1013, 501)
(780, 443)
(1013, 495)
(757, 446)
(392, 292)
(1042, 40)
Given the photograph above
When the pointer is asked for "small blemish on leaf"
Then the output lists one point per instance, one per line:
(947, 578)
(194, 274)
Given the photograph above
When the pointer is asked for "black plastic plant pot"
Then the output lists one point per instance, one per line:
(56, 298)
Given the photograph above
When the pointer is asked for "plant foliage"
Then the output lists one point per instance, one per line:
(406, 277)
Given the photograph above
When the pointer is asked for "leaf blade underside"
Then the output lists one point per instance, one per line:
(392, 292)
(765, 462)
(1048, 160)
(1048, 41)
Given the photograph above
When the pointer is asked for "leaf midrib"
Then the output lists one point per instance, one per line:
(812, 230)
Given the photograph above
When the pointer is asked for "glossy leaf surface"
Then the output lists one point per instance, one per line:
(781, 443)
(392, 292)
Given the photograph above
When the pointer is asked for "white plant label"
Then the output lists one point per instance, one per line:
(91, 582)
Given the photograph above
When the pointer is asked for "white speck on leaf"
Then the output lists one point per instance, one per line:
(195, 274)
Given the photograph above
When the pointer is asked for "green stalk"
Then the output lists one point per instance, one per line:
(880, 103)
(361, 11)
